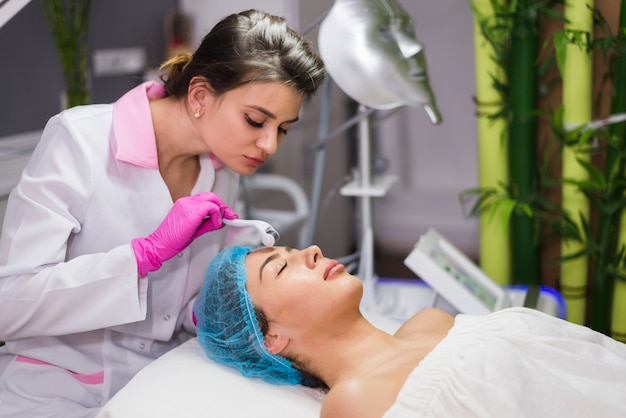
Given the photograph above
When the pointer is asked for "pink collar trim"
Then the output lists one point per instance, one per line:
(132, 125)
(133, 129)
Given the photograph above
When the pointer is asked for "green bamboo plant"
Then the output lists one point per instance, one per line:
(522, 138)
(615, 169)
(607, 191)
(491, 131)
(575, 63)
(602, 185)
(615, 241)
(68, 21)
(512, 31)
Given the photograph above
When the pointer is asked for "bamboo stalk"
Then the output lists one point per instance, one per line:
(522, 76)
(618, 311)
(617, 321)
(618, 315)
(492, 149)
(577, 101)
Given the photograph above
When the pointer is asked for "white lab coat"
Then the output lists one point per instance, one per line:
(69, 292)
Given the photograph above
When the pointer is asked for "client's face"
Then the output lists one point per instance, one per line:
(292, 285)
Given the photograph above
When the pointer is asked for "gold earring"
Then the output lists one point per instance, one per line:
(197, 114)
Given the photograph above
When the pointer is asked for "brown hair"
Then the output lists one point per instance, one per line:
(243, 47)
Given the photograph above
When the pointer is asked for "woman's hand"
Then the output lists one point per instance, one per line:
(189, 218)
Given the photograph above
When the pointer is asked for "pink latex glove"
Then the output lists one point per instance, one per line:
(189, 218)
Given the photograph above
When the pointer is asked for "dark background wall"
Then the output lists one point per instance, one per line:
(30, 72)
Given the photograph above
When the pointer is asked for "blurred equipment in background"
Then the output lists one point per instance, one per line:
(371, 52)
(177, 30)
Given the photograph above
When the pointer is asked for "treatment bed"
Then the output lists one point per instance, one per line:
(185, 383)
(558, 369)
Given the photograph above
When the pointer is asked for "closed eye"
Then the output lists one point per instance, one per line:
(283, 267)
(253, 123)
(285, 264)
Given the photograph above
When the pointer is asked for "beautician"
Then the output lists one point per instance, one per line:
(107, 235)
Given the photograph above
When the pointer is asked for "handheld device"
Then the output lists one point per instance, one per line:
(269, 235)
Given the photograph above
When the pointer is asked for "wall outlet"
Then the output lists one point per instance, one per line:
(119, 61)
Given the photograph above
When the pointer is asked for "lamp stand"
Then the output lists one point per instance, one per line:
(365, 186)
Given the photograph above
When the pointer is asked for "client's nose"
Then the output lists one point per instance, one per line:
(312, 255)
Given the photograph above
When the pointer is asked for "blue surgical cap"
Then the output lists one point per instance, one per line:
(227, 325)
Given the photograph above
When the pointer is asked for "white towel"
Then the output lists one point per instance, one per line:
(517, 362)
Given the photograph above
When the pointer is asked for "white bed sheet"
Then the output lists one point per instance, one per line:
(185, 383)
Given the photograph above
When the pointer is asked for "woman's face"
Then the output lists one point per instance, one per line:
(243, 127)
(294, 287)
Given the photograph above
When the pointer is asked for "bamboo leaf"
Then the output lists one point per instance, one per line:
(560, 49)
(616, 206)
(553, 13)
(582, 253)
(598, 181)
(505, 207)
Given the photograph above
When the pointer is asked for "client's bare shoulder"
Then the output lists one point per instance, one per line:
(428, 322)
(359, 397)
(372, 393)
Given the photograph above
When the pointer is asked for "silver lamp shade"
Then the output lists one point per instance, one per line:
(370, 50)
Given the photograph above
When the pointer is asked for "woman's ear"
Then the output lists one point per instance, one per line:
(275, 343)
(197, 92)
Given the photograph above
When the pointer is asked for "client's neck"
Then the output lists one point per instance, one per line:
(346, 350)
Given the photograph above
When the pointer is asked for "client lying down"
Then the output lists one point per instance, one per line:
(292, 317)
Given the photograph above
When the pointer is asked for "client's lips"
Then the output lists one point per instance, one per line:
(333, 267)
(256, 162)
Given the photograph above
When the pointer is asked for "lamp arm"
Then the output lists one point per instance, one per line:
(343, 127)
